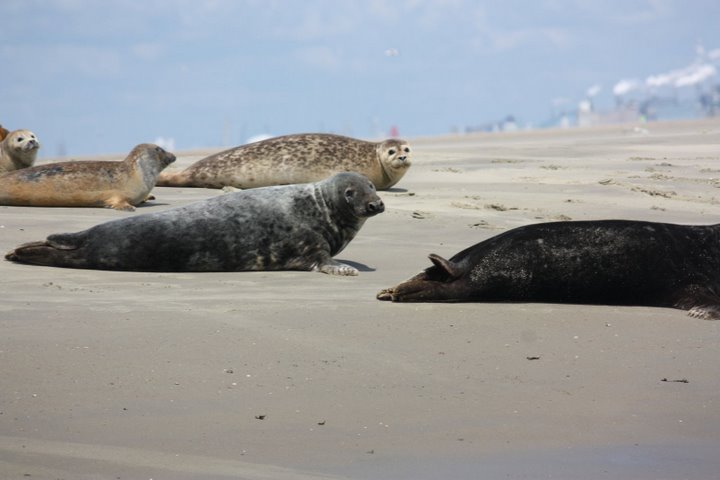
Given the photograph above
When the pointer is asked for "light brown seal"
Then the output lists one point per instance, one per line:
(18, 150)
(118, 185)
(3, 133)
(300, 158)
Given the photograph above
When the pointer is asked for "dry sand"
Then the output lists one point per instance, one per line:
(295, 375)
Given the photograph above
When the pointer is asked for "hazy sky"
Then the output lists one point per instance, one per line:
(102, 76)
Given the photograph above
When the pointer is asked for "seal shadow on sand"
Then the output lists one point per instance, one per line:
(152, 203)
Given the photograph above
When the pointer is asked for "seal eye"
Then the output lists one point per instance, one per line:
(349, 193)
(391, 152)
(20, 139)
(407, 150)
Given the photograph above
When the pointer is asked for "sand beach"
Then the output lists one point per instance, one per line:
(301, 375)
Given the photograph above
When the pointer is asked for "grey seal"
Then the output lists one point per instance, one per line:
(294, 227)
(606, 262)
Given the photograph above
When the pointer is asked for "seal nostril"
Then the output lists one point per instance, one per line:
(376, 207)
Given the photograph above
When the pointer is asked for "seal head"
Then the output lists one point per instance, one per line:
(18, 150)
(394, 157)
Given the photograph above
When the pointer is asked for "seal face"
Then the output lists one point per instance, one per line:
(18, 150)
(118, 185)
(609, 262)
(291, 159)
(294, 227)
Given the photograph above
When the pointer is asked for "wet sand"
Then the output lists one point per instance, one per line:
(298, 375)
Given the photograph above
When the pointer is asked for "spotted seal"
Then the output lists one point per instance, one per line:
(293, 227)
(607, 262)
(300, 158)
(18, 150)
(118, 185)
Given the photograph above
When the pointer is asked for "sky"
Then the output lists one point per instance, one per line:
(95, 77)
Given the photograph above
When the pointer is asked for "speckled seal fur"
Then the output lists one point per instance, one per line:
(118, 185)
(18, 150)
(607, 262)
(300, 158)
(294, 227)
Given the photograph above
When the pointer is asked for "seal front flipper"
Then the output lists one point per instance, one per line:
(120, 204)
(700, 302)
(333, 267)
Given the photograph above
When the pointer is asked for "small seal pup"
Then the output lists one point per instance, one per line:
(293, 227)
(607, 262)
(118, 185)
(18, 150)
(301, 158)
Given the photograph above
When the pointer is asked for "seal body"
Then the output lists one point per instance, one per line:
(300, 158)
(118, 185)
(609, 262)
(18, 149)
(294, 227)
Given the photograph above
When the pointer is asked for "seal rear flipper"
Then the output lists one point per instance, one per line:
(59, 250)
(451, 269)
(420, 291)
(173, 179)
(43, 253)
(423, 287)
(20, 252)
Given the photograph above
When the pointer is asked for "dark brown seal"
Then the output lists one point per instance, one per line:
(300, 158)
(295, 227)
(608, 262)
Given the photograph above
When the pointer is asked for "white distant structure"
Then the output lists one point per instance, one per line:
(165, 143)
(625, 86)
(684, 77)
(685, 92)
(594, 90)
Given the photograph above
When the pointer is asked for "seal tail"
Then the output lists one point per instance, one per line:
(61, 250)
(173, 179)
